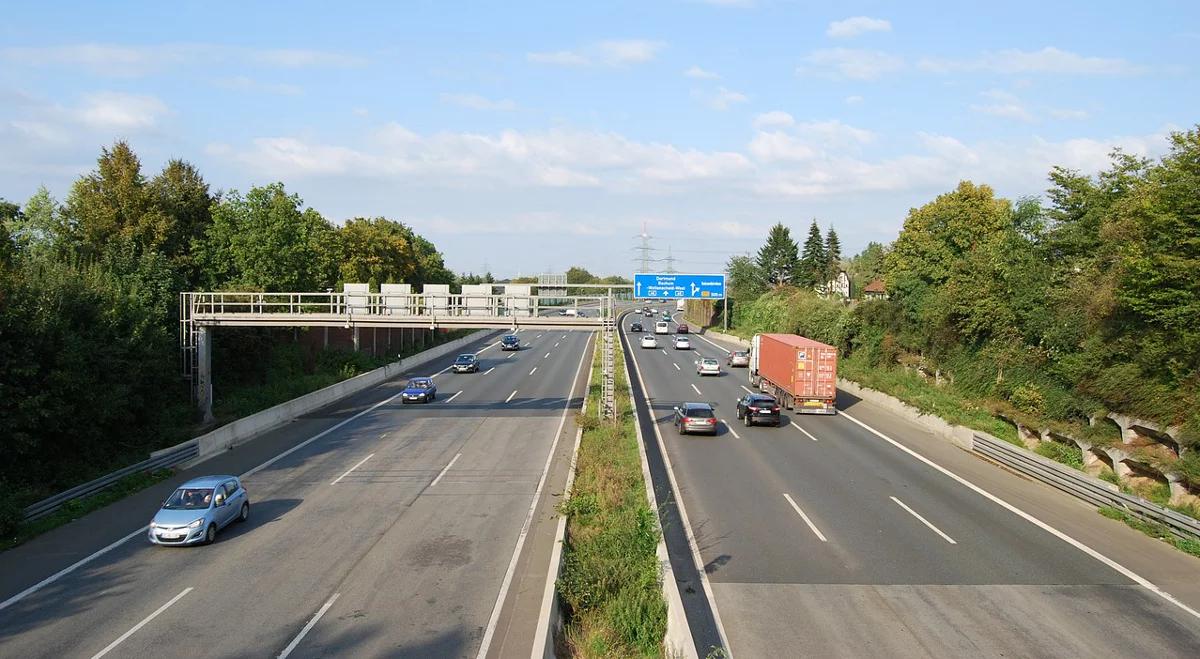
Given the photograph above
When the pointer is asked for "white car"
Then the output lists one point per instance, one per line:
(682, 343)
(648, 341)
(708, 366)
(662, 327)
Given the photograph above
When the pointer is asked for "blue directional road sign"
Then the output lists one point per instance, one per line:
(676, 287)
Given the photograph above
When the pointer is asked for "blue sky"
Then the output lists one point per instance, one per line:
(533, 136)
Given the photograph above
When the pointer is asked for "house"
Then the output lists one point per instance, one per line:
(875, 291)
(839, 285)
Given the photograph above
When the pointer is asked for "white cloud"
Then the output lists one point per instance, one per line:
(611, 52)
(1069, 115)
(119, 111)
(629, 51)
(852, 27)
(722, 99)
(854, 100)
(133, 61)
(1006, 105)
(246, 84)
(773, 118)
(699, 73)
(808, 141)
(838, 63)
(477, 102)
(1046, 60)
(558, 58)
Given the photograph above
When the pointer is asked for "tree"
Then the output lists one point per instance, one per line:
(182, 197)
(777, 260)
(114, 200)
(35, 230)
(867, 265)
(746, 279)
(578, 275)
(264, 241)
(378, 250)
(814, 264)
(833, 255)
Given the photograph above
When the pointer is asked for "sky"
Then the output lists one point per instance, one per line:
(531, 137)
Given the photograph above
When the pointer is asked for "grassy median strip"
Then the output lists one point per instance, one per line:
(610, 584)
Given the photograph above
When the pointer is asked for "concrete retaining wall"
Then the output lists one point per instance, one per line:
(961, 436)
(245, 428)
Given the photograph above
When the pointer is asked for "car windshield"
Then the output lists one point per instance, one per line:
(763, 400)
(510, 339)
(189, 499)
(699, 412)
(709, 362)
(419, 384)
(465, 359)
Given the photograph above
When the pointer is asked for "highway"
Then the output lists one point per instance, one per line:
(820, 538)
(392, 533)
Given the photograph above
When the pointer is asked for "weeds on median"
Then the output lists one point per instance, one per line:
(1153, 529)
(610, 584)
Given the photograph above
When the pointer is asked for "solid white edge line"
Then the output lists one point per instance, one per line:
(360, 463)
(697, 390)
(510, 396)
(452, 397)
(924, 521)
(308, 627)
(537, 493)
(445, 469)
(1133, 576)
(797, 427)
(141, 624)
(730, 428)
(683, 516)
(808, 521)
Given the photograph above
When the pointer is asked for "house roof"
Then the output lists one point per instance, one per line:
(875, 286)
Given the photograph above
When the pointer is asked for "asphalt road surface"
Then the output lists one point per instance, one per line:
(390, 535)
(821, 539)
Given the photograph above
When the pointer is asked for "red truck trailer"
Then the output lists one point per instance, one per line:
(800, 372)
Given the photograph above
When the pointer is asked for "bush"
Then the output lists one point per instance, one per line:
(1028, 398)
(1067, 454)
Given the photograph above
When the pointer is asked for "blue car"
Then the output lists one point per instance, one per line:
(198, 509)
(419, 390)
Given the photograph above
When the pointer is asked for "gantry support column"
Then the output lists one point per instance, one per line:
(204, 339)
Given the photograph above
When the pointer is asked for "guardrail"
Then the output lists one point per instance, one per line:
(1084, 487)
(157, 460)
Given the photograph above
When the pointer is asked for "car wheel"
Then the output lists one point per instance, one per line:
(245, 514)
(737, 413)
(746, 420)
(210, 535)
(681, 430)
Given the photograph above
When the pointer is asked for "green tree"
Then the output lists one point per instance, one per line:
(114, 200)
(266, 241)
(814, 263)
(378, 250)
(36, 229)
(833, 255)
(777, 260)
(866, 266)
(578, 275)
(746, 279)
(183, 201)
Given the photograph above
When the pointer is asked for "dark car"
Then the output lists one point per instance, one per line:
(635, 327)
(695, 417)
(682, 328)
(758, 408)
(419, 390)
(510, 342)
(466, 363)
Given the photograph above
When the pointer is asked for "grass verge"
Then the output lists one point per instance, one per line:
(76, 508)
(1153, 529)
(610, 585)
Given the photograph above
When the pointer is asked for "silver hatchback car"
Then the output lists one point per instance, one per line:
(198, 509)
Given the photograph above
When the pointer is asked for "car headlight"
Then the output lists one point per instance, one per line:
(196, 524)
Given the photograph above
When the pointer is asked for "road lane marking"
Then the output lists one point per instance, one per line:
(510, 396)
(924, 521)
(802, 430)
(511, 356)
(453, 397)
(676, 366)
(446, 468)
(538, 336)
(491, 369)
(1142, 581)
(808, 521)
(141, 624)
(512, 563)
(307, 628)
(665, 351)
(360, 463)
(747, 389)
(556, 343)
(730, 428)
(533, 371)
(547, 355)
(697, 390)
